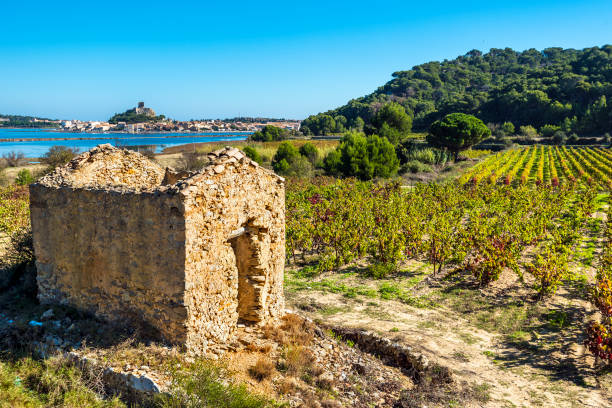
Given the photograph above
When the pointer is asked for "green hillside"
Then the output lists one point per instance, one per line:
(563, 87)
(130, 116)
(20, 121)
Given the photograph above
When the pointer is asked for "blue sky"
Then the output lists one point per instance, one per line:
(88, 60)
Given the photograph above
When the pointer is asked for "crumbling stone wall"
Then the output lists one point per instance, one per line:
(189, 259)
(106, 166)
(234, 212)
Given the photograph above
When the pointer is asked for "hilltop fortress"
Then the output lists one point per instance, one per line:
(141, 110)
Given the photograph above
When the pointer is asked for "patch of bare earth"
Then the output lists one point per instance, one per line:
(293, 361)
(514, 351)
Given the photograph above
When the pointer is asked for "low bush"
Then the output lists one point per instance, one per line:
(205, 385)
(24, 178)
(14, 209)
(252, 154)
(381, 270)
(288, 161)
(58, 156)
(549, 130)
(54, 382)
(415, 166)
(298, 360)
(410, 151)
(262, 369)
(309, 151)
(191, 161)
(13, 159)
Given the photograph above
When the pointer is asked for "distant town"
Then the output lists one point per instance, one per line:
(143, 119)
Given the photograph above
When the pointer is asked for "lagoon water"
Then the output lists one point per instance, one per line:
(36, 148)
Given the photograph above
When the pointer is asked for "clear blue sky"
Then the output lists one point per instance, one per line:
(90, 59)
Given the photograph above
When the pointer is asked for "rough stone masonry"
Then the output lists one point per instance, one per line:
(190, 254)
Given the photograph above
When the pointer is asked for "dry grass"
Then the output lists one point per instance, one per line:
(293, 330)
(299, 360)
(315, 401)
(262, 369)
(288, 385)
(266, 348)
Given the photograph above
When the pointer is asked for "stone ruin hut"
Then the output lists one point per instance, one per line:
(192, 254)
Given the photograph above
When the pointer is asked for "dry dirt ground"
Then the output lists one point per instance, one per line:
(522, 353)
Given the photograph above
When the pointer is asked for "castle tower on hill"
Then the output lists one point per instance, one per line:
(140, 109)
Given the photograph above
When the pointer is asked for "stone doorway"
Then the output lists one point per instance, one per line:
(247, 243)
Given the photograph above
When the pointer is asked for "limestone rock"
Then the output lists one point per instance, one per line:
(142, 383)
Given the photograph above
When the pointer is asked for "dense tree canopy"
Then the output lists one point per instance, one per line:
(457, 132)
(130, 116)
(27, 121)
(364, 157)
(289, 161)
(269, 133)
(310, 151)
(562, 87)
(391, 121)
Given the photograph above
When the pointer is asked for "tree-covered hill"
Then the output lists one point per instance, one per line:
(130, 116)
(20, 121)
(563, 87)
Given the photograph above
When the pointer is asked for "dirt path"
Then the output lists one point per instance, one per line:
(485, 342)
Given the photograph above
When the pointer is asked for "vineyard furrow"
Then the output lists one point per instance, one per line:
(545, 165)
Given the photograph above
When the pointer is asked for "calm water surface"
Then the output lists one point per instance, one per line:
(160, 141)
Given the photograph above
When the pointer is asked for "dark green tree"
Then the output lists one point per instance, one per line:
(252, 154)
(357, 124)
(457, 132)
(392, 122)
(309, 151)
(269, 133)
(288, 161)
(340, 124)
(333, 163)
(287, 152)
(364, 157)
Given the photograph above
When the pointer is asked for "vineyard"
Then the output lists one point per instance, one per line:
(481, 229)
(544, 165)
(527, 262)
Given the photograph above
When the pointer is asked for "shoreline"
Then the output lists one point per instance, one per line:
(57, 130)
(170, 135)
(180, 148)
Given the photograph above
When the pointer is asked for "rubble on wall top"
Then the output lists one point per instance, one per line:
(106, 167)
(120, 170)
(229, 154)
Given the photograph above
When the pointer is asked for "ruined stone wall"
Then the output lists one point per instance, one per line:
(118, 255)
(231, 194)
(107, 166)
(109, 244)
(190, 259)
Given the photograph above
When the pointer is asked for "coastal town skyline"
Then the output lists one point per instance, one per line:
(142, 123)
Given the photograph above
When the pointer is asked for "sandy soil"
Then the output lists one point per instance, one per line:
(544, 366)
